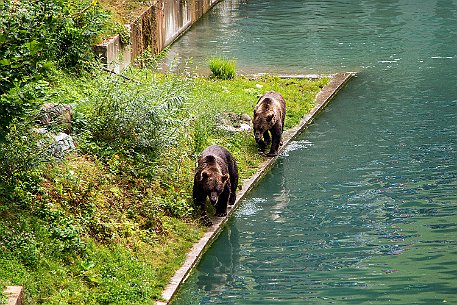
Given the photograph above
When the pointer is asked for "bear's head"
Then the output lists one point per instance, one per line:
(213, 183)
(262, 122)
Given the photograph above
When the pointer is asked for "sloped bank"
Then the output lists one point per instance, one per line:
(336, 83)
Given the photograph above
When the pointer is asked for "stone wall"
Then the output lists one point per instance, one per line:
(156, 28)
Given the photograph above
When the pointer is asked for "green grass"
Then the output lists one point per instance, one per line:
(112, 222)
(222, 68)
(125, 11)
(3, 298)
(240, 96)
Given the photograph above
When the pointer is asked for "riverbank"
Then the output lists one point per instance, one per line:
(113, 220)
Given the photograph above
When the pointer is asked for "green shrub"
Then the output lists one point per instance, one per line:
(22, 156)
(222, 68)
(37, 36)
(21, 103)
(132, 120)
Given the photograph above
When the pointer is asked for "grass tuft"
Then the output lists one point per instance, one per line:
(222, 68)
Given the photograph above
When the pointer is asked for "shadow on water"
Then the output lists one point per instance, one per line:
(361, 208)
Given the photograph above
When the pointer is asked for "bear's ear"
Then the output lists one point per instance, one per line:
(225, 177)
(270, 117)
(204, 175)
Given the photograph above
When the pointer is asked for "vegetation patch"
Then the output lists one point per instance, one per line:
(222, 68)
(3, 298)
(126, 11)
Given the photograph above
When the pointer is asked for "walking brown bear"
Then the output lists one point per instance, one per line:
(269, 115)
(216, 177)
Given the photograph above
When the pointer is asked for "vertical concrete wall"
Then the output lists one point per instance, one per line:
(114, 54)
(156, 28)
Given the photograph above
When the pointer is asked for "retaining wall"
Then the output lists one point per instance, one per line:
(156, 28)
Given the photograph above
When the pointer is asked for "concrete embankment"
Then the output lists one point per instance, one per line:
(156, 28)
(322, 99)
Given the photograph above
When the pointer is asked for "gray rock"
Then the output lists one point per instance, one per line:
(55, 114)
(62, 143)
(235, 122)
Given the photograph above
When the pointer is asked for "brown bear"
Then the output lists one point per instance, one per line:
(269, 115)
(216, 177)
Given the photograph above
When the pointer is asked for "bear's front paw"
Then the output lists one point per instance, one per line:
(206, 221)
(221, 214)
(261, 144)
(272, 154)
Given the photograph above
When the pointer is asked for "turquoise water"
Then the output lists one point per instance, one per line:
(362, 207)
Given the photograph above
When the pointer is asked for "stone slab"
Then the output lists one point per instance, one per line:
(337, 82)
(14, 295)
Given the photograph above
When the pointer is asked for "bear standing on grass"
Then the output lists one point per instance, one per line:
(269, 114)
(216, 177)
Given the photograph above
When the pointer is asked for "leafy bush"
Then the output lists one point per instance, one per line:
(21, 102)
(132, 120)
(222, 68)
(37, 36)
(22, 155)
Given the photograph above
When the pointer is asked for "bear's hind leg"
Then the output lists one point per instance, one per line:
(233, 170)
(199, 201)
(232, 198)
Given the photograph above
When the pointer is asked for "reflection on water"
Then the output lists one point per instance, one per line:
(362, 208)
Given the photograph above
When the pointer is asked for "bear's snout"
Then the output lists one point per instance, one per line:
(258, 136)
(213, 197)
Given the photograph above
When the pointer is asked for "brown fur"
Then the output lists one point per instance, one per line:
(216, 177)
(268, 121)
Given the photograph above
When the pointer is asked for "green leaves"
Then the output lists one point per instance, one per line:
(134, 121)
(36, 36)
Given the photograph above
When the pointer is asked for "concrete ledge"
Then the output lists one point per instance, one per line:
(337, 82)
(14, 295)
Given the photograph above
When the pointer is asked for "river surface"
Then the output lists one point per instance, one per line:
(362, 207)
